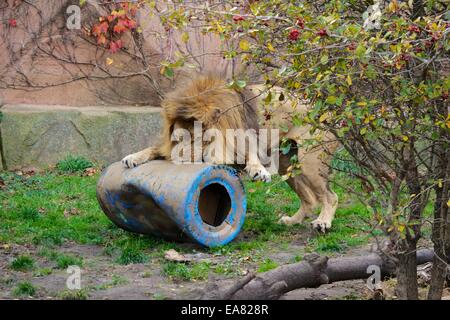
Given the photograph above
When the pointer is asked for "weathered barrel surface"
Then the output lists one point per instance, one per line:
(200, 202)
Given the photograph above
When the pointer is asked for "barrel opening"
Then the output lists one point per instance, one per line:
(214, 204)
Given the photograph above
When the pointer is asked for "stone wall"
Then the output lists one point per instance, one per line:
(42, 62)
(39, 135)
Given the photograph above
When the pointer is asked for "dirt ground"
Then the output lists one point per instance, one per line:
(143, 281)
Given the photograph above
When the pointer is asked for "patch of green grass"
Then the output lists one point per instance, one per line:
(73, 295)
(266, 203)
(177, 271)
(53, 194)
(74, 164)
(29, 213)
(351, 296)
(132, 254)
(7, 280)
(147, 274)
(24, 288)
(63, 261)
(200, 271)
(22, 263)
(181, 271)
(159, 296)
(349, 230)
(116, 280)
(32, 211)
(43, 272)
(267, 265)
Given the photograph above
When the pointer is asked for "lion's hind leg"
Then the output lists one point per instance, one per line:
(329, 205)
(135, 159)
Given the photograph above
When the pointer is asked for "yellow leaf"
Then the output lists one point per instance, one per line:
(270, 47)
(323, 117)
(393, 6)
(219, 28)
(405, 138)
(448, 203)
(349, 80)
(109, 61)
(401, 228)
(362, 104)
(185, 37)
(244, 45)
(440, 183)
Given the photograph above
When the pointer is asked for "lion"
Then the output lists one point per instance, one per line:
(208, 100)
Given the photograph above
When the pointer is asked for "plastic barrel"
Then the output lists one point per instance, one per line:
(200, 202)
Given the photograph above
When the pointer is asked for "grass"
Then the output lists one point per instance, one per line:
(267, 265)
(116, 280)
(73, 295)
(132, 253)
(72, 164)
(184, 272)
(32, 212)
(61, 260)
(22, 263)
(24, 288)
(43, 272)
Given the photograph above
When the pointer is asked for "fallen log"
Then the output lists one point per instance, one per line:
(313, 272)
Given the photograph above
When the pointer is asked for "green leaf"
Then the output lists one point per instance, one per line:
(241, 83)
(268, 98)
(324, 59)
(168, 72)
(331, 100)
(361, 51)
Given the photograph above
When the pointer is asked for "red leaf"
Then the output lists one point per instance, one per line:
(300, 22)
(115, 46)
(100, 28)
(119, 28)
(131, 24)
(12, 23)
(294, 34)
(322, 33)
(101, 39)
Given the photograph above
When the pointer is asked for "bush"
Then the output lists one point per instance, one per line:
(24, 288)
(22, 263)
(74, 164)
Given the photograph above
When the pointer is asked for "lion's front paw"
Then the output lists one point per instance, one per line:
(258, 172)
(321, 225)
(132, 161)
